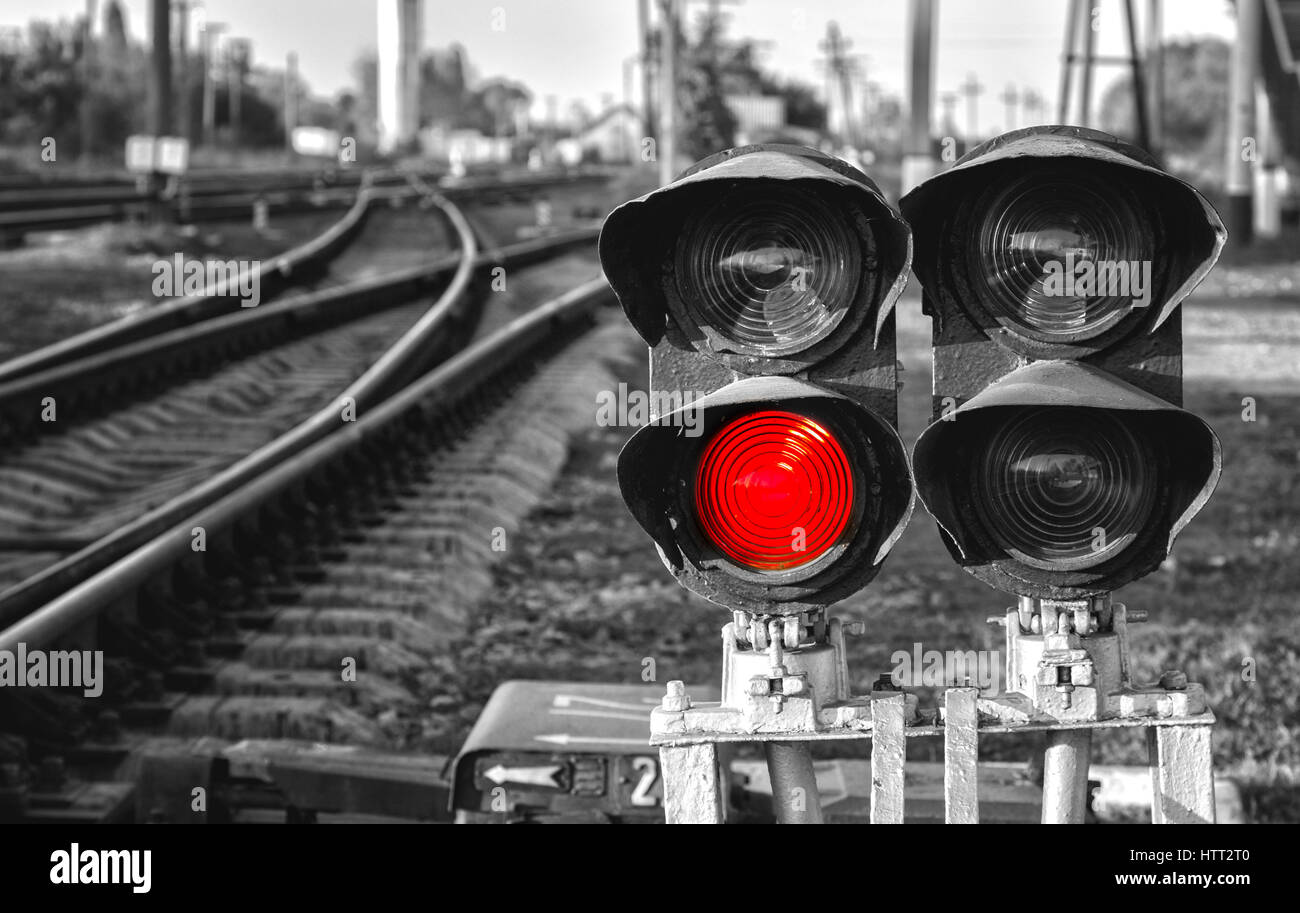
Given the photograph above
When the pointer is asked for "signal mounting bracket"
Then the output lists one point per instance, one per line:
(769, 691)
(1068, 661)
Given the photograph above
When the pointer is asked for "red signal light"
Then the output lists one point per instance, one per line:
(773, 490)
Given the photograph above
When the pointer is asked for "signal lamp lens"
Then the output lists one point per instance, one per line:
(1061, 257)
(1063, 489)
(773, 490)
(770, 272)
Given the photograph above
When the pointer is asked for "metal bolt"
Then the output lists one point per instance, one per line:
(676, 699)
(884, 682)
(1173, 681)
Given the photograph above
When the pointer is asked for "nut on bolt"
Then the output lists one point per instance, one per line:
(884, 682)
(1173, 681)
(676, 700)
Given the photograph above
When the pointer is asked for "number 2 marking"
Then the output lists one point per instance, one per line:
(649, 770)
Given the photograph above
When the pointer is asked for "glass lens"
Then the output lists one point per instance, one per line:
(1064, 485)
(773, 490)
(771, 270)
(1061, 255)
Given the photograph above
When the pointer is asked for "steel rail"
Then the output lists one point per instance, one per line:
(126, 189)
(185, 311)
(418, 402)
(121, 369)
(423, 344)
(274, 274)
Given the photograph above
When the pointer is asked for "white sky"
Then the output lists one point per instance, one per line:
(575, 49)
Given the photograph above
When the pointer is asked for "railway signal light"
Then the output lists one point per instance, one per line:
(1059, 462)
(771, 476)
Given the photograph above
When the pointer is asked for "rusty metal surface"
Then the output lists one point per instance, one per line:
(1182, 775)
(888, 758)
(961, 756)
(693, 785)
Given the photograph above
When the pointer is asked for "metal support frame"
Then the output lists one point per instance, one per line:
(1079, 29)
(785, 685)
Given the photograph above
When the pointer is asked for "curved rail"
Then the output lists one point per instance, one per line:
(277, 273)
(182, 312)
(418, 403)
(429, 341)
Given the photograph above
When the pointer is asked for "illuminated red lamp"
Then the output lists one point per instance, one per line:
(773, 490)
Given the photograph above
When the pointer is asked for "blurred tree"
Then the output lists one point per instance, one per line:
(43, 86)
(1196, 99)
(705, 123)
(365, 75)
(743, 75)
(446, 99)
(114, 42)
(712, 67)
(502, 98)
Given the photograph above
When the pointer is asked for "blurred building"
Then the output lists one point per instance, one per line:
(756, 116)
(613, 136)
(464, 147)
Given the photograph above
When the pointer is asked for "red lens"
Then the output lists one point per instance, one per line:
(773, 490)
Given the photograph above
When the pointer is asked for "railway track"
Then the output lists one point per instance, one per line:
(140, 422)
(324, 546)
(200, 197)
(348, 249)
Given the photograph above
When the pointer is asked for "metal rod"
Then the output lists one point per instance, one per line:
(1241, 123)
(1067, 64)
(1155, 77)
(1088, 19)
(1139, 84)
(917, 153)
(1065, 776)
(647, 69)
(795, 798)
(667, 150)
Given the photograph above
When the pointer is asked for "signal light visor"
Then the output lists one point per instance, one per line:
(1061, 255)
(1064, 488)
(768, 274)
(774, 490)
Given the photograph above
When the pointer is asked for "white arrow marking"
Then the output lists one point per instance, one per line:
(564, 700)
(563, 738)
(605, 714)
(533, 776)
